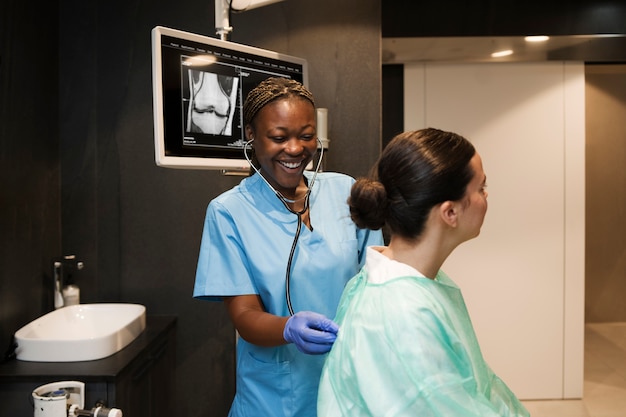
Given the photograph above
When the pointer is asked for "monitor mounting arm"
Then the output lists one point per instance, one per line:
(222, 13)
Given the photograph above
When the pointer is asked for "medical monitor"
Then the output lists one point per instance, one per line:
(199, 85)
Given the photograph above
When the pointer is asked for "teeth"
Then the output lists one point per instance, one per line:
(291, 164)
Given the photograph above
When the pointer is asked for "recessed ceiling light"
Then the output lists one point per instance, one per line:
(538, 38)
(500, 54)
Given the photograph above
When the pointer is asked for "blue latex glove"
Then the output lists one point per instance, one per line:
(312, 333)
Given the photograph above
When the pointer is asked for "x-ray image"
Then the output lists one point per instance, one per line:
(212, 104)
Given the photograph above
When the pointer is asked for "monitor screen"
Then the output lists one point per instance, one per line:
(199, 85)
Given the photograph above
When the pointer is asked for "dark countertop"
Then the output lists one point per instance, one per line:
(105, 369)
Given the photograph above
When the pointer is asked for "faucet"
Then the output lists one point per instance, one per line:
(58, 265)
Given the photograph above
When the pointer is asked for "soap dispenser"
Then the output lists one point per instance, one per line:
(71, 295)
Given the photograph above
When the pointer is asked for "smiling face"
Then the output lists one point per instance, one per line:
(284, 142)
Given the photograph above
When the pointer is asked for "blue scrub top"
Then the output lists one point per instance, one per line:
(245, 247)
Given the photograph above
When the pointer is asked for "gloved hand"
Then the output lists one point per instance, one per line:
(312, 333)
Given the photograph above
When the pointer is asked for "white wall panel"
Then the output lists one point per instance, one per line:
(574, 312)
(525, 121)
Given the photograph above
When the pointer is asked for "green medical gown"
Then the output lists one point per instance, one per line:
(406, 347)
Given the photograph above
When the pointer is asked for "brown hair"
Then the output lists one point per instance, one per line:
(416, 171)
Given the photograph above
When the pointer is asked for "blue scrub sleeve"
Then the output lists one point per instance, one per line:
(222, 255)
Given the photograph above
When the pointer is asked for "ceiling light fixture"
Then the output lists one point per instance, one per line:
(500, 54)
(537, 38)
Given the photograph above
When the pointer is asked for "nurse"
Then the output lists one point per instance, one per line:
(278, 250)
(406, 345)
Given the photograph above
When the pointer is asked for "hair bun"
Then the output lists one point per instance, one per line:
(368, 204)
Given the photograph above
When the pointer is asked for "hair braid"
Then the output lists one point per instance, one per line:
(269, 90)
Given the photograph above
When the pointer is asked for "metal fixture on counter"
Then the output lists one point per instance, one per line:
(59, 267)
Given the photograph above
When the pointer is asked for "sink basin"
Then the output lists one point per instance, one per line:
(81, 332)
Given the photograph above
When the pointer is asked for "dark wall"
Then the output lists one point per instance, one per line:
(137, 226)
(30, 226)
(393, 101)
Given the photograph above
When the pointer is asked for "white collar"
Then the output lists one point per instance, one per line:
(382, 269)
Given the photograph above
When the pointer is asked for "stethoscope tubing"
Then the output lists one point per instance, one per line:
(286, 202)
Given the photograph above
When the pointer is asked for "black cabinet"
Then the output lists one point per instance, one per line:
(146, 388)
(139, 379)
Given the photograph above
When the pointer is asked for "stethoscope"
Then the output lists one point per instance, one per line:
(286, 202)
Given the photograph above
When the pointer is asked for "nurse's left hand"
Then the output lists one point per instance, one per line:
(311, 332)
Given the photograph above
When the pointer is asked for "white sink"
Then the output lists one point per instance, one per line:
(81, 332)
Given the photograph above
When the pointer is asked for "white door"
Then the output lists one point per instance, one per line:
(523, 277)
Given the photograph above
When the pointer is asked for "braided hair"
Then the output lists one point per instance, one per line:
(271, 89)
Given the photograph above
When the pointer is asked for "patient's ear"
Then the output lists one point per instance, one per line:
(449, 213)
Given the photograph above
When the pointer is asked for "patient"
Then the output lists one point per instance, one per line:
(406, 345)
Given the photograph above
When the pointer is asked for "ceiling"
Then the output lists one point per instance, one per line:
(588, 48)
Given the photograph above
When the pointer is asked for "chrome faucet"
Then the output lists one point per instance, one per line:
(58, 265)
